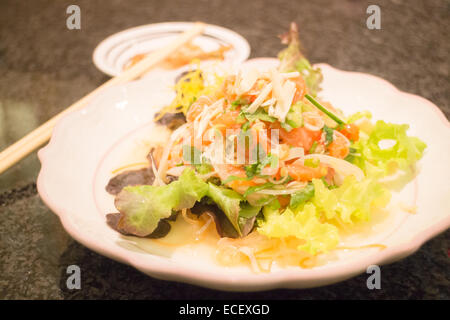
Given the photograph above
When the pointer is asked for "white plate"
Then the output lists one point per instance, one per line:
(116, 128)
(114, 52)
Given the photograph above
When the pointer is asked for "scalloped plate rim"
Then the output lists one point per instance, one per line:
(235, 282)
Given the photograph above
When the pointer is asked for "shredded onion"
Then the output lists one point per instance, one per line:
(260, 99)
(279, 192)
(158, 181)
(268, 102)
(296, 152)
(184, 214)
(296, 185)
(260, 252)
(205, 226)
(271, 180)
(259, 180)
(337, 134)
(249, 252)
(176, 171)
(288, 75)
(343, 168)
(210, 112)
(313, 121)
(208, 175)
(269, 171)
(163, 163)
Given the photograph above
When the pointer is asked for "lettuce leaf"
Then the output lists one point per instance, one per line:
(239, 212)
(302, 196)
(377, 161)
(311, 221)
(259, 114)
(303, 224)
(351, 202)
(142, 207)
(292, 59)
(359, 115)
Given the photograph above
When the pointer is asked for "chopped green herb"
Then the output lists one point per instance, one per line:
(234, 178)
(328, 134)
(250, 170)
(274, 204)
(300, 197)
(246, 126)
(313, 147)
(286, 126)
(259, 114)
(352, 155)
(324, 110)
(203, 168)
(257, 188)
(262, 161)
(239, 102)
(329, 186)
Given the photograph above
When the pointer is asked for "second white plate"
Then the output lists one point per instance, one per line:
(113, 53)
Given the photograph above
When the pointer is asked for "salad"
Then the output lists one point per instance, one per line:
(279, 172)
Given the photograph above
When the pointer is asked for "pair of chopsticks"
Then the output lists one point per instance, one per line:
(42, 134)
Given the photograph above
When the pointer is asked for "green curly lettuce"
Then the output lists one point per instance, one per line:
(351, 202)
(303, 224)
(312, 220)
(377, 161)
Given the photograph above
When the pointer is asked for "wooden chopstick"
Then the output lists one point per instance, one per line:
(42, 134)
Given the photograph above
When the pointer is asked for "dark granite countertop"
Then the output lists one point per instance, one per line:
(45, 67)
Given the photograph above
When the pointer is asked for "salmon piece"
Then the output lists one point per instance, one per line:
(300, 137)
(301, 172)
(339, 148)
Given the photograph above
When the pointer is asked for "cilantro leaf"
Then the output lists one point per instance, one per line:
(328, 134)
(302, 196)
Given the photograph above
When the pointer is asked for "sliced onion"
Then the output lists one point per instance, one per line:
(205, 226)
(279, 192)
(271, 180)
(288, 75)
(259, 180)
(296, 152)
(208, 175)
(260, 98)
(313, 121)
(163, 162)
(269, 171)
(268, 102)
(337, 134)
(212, 111)
(176, 171)
(296, 185)
(245, 81)
(343, 168)
(250, 253)
(158, 181)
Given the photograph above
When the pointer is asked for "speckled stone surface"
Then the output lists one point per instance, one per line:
(45, 67)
